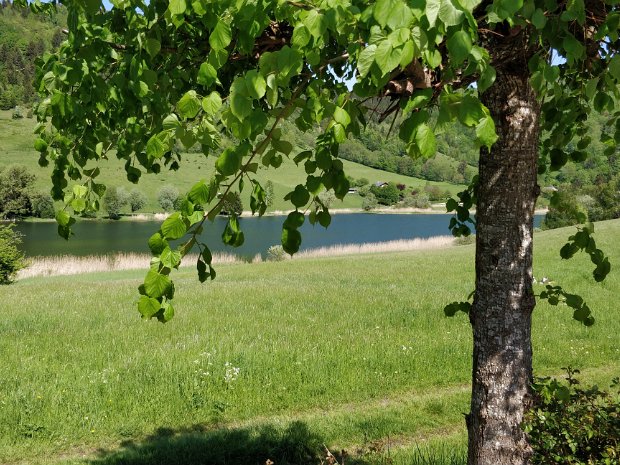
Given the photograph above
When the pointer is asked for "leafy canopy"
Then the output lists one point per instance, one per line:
(143, 80)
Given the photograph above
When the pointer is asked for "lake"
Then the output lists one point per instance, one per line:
(105, 237)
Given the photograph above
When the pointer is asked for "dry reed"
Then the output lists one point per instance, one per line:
(70, 265)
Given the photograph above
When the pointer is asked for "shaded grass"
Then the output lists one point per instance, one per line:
(355, 348)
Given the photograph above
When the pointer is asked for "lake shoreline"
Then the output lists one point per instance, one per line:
(248, 214)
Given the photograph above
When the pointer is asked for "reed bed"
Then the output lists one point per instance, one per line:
(57, 265)
(71, 265)
(402, 245)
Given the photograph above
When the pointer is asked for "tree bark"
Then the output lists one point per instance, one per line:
(503, 303)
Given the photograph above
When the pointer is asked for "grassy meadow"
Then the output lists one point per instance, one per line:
(273, 360)
(16, 146)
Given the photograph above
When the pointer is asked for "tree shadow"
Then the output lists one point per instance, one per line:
(294, 444)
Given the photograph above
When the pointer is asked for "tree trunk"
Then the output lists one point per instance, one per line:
(503, 303)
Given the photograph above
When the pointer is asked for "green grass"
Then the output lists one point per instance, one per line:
(16, 146)
(353, 352)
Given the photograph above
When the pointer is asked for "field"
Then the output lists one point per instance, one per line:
(16, 146)
(273, 359)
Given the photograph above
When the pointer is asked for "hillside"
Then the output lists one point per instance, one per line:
(24, 37)
(16, 147)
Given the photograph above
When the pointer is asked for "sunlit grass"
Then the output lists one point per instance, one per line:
(355, 348)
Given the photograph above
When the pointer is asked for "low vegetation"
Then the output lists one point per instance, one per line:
(352, 352)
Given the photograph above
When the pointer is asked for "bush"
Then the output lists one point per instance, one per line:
(327, 198)
(269, 193)
(114, 200)
(370, 202)
(11, 258)
(232, 205)
(386, 195)
(419, 200)
(168, 197)
(18, 113)
(42, 206)
(137, 200)
(276, 253)
(15, 187)
(572, 425)
(564, 210)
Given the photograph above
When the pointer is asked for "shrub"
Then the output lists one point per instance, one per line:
(18, 113)
(564, 210)
(42, 206)
(434, 193)
(232, 204)
(114, 200)
(416, 201)
(168, 197)
(370, 202)
(269, 193)
(573, 425)
(15, 187)
(137, 200)
(11, 258)
(386, 195)
(276, 253)
(327, 198)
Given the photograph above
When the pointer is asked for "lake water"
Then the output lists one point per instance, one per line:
(105, 237)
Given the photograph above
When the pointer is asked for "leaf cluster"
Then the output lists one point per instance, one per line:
(574, 425)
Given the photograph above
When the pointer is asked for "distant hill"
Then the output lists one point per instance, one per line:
(24, 37)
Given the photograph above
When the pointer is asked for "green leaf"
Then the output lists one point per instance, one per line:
(539, 20)
(174, 226)
(155, 147)
(574, 49)
(167, 314)
(383, 10)
(177, 7)
(228, 162)
(486, 79)
(153, 46)
(341, 116)
(232, 234)
(425, 139)
(300, 196)
(207, 75)
(156, 285)
(171, 122)
(148, 306)
(291, 240)
(471, 111)
(614, 67)
(432, 11)
(199, 193)
(449, 14)
(170, 258)
(157, 243)
(212, 103)
(485, 132)
(40, 145)
(220, 36)
(255, 84)
(366, 59)
(189, 105)
(459, 46)
(387, 57)
(315, 22)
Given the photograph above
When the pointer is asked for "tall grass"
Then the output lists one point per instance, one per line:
(353, 352)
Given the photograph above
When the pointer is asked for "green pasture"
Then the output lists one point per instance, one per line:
(273, 359)
(16, 146)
